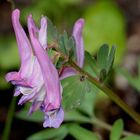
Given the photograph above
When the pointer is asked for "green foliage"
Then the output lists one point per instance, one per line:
(132, 137)
(76, 116)
(117, 129)
(105, 60)
(74, 89)
(67, 45)
(90, 65)
(101, 66)
(37, 116)
(87, 105)
(55, 134)
(81, 133)
(52, 34)
(75, 130)
(104, 24)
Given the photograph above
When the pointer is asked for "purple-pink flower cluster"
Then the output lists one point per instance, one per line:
(38, 80)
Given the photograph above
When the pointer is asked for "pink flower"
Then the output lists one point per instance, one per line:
(37, 80)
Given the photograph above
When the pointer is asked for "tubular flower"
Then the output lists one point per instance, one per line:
(77, 34)
(37, 80)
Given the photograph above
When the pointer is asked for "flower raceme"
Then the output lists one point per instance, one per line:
(37, 79)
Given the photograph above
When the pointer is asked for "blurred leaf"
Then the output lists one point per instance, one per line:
(132, 137)
(51, 133)
(81, 133)
(74, 89)
(76, 116)
(37, 116)
(105, 24)
(133, 81)
(117, 129)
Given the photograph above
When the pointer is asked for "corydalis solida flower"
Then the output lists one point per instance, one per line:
(37, 80)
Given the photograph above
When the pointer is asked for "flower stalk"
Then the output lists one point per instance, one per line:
(9, 119)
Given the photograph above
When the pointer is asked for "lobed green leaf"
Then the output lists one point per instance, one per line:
(81, 133)
(117, 129)
(51, 133)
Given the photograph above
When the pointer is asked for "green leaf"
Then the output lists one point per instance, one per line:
(74, 89)
(90, 65)
(52, 34)
(51, 133)
(105, 60)
(117, 129)
(71, 48)
(105, 23)
(87, 106)
(111, 57)
(81, 133)
(76, 116)
(102, 56)
(63, 39)
(132, 137)
(67, 45)
(102, 75)
(37, 116)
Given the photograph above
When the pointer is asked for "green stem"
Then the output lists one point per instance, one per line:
(109, 92)
(9, 119)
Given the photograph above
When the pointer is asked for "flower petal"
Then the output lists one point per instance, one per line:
(43, 32)
(24, 46)
(77, 34)
(49, 72)
(67, 72)
(54, 118)
(26, 98)
(15, 79)
(35, 106)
